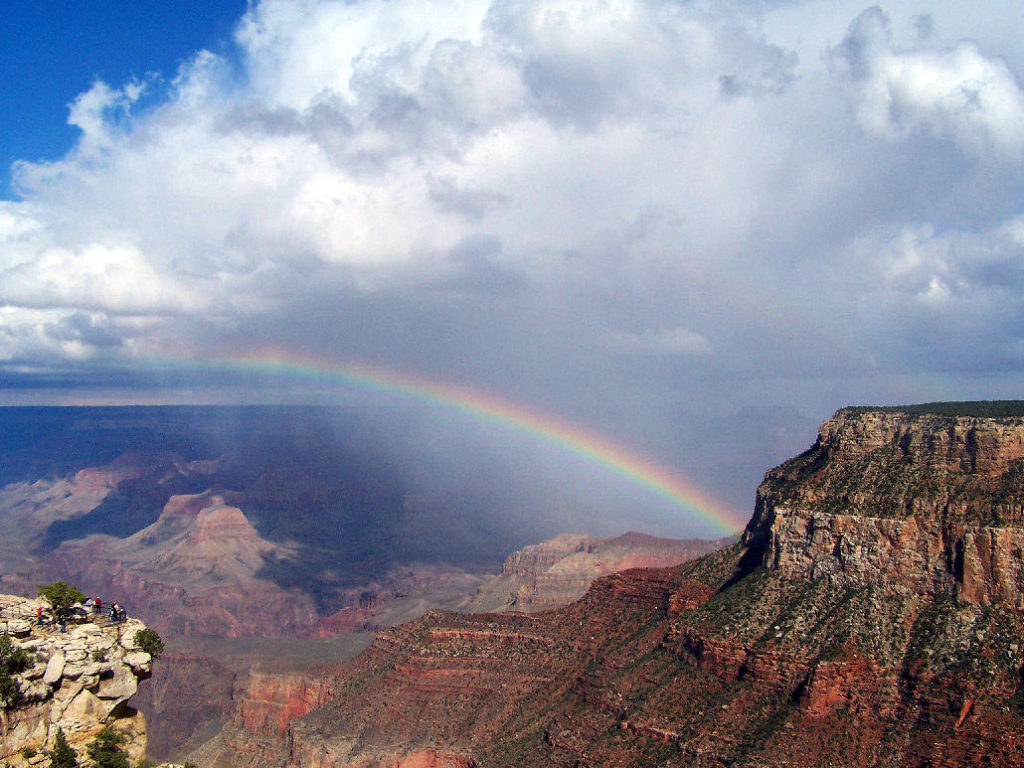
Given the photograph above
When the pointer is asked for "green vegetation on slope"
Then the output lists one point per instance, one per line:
(987, 409)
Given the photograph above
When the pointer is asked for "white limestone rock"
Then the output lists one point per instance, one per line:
(140, 661)
(82, 669)
(54, 669)
(19, 628)
(128, 632)
(122, 685)
(78, 681)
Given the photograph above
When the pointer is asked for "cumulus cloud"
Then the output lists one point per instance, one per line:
(563, 195)
(956, 93)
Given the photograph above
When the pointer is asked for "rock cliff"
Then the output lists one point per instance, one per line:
(928, 502)
(270, 701)
(869, 617)
(197, 568)
(556, 572)
(80, 681)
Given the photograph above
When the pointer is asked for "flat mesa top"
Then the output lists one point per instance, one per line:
(986, 409)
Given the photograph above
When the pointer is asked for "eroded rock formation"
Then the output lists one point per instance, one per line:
(869, 617)
(196, 569)
(80, 681)
(556, 572)
(928, 502)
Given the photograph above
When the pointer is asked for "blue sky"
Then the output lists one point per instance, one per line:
(53, 50)
(697, 227)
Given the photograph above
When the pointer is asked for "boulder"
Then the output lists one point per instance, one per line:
(54, 669)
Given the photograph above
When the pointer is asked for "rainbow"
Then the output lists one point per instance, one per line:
(685, 495)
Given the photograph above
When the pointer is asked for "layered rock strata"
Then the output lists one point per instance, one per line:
(556, 572)
(79, 681)
(928, 502)
(869, 617)
(257, 733)
(196, 569)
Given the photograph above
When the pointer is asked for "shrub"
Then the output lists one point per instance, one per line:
(149, 641)
(28, 752)
(99, 656)
(12, 661)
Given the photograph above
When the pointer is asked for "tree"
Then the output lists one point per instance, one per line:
(12, 661)
(61, 596)
(148, 640)
(62, 755)
(105, 750)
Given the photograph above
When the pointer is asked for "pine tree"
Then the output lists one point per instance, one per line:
(62, 755)
(61, 596)
(105, 750)
(148, 640)
(12, 661)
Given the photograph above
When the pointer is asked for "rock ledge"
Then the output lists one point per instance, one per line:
(80, 681)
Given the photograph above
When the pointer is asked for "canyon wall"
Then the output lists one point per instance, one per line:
(870, 616)
(557, 571)
(929, 502)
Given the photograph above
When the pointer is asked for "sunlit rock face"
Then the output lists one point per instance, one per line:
(79, 681)
(557, 571)
(869, 617)
(932, 503)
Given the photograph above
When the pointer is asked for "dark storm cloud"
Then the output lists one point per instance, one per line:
(81, 328)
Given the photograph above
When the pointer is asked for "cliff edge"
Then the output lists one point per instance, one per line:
(79, 681)
(930, 502)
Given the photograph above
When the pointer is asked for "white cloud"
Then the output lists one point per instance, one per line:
(956, 93)
(98, 111)
(110, 278)
(479, 185)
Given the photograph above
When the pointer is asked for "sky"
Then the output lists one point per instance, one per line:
(697, 228)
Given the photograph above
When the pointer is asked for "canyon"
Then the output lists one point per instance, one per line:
(248, 534)
(251, 692)
(869, 616)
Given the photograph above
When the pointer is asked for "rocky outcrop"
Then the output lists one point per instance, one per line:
(80, 681)
(270, 700)
(556, 572)
(196, 569)
(869, 617)
(933, 503)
